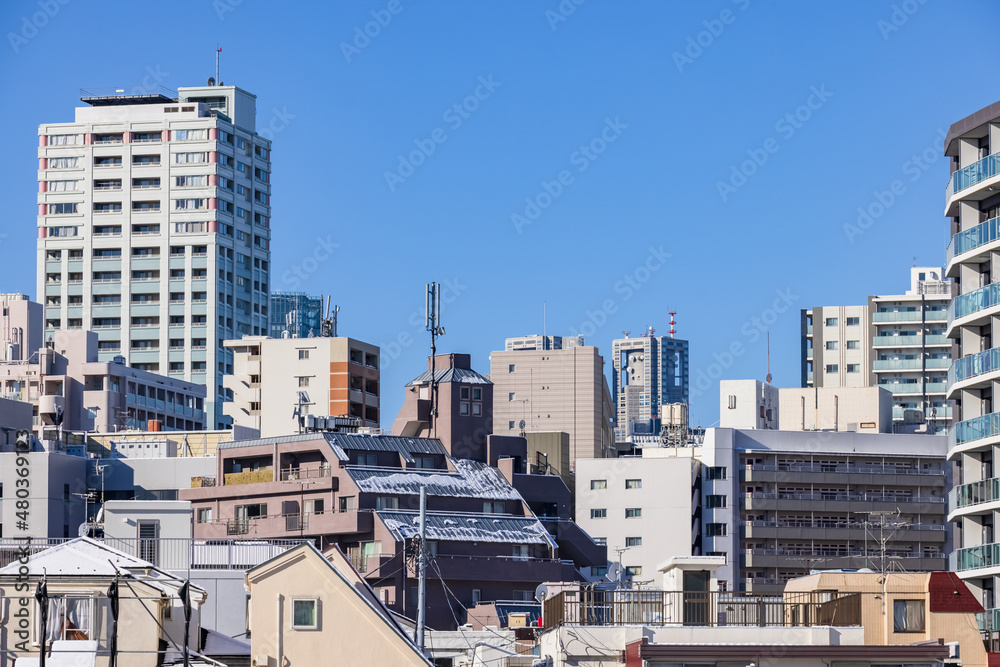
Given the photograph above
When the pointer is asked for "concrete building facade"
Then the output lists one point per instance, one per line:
(648, 373)
(972, 207)
(154, 229)
(556, 388)
(335, 376)
(897, 342)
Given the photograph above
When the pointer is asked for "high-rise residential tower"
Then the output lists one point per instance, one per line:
(896, 342)
(972, 205)
(154, 229)
(649, 372)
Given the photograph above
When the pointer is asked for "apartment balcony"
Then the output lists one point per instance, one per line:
(974, 371)
(788, 530)
(909, 316)
(836, 559)
(973, 308)
(290, 525)
(972, 246)
(842, 474)
(500, 568)
(973, 182)
(972, 434)
(930, 414)
(980, 561)
(974, 498)
(249, 477)
(911, 341)
(843, 502)
(885, 365)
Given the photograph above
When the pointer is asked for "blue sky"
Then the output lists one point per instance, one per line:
(585, 147)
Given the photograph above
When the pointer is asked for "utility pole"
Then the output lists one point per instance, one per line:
(432, 322)
(422, 570)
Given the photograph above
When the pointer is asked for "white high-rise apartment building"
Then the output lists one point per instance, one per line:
(154, 229)
(972, 205)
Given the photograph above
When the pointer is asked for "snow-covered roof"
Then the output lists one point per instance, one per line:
(87, 557)
(463, 375)
(457, 527)
(472, 480)
(340, 442)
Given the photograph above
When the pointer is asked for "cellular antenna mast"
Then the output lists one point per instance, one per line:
(218, 50)
(768, 378)
(432, 322)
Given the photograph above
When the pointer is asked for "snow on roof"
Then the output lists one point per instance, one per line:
(445, 527)
(473, 479)
(463, 375)
(340, 442)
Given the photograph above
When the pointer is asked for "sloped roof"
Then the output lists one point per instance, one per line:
(463, 375)
(87, 557)
(340, 442)
(473, 479)
(459, 527)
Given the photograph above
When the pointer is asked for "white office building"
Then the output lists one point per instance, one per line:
(154, 229)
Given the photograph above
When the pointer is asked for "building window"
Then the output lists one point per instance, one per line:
(633, 512)
(463, 409)
(717, 472)
(510, 425)
(852, 321)
(908, 615)
(831, 321)
(75, 619)
(477, 595)
(477, 409)
(510, 396)
(603, 541)
(633, 483)
(304, 616)
(493, 507)
(853, 345)
(853, 368)
(303, 382)
(715, 501)
(347, 503)
(510, 368)
(633, 570)
(831, 345)
(62, 209)
(477, 394)
(204, 515)
(715, 529)
(598, 484)
(599, 514)
(464, 393)
(832, 368)
(633, 541)
(732, 401)
(387, 503)
(598, 570)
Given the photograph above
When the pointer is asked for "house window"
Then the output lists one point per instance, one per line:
(599, 514)
(463, 409)
(76, 619)
(520, 552)
(852, 321)
(347, 503)
(477, 409)
(598, 570)
(510, 396)
(477, 394)
(303, 354)
(633, 483)
(633, 570)
(633, 541)
(716, 472)
(603, 541)
(510, 368)
(853, 345)
(853, 368)
(304, 616)
(831, 321)
(715, 529)
(715, 501)
(598, 484)
(831, 345)
(387, 503)
(493, 507)
(464, 393)
(633, 512)
(832, 368)
(303, 382)
(908, 615)
(204, 515)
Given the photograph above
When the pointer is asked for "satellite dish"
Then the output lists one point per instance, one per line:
(83, 530)
(520, 424)
(542, 592)
(614, 570)
(211, 80)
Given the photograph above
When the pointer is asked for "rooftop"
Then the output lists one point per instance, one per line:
(463, 375)
(472, 480)
(458, 527)
(341, 442)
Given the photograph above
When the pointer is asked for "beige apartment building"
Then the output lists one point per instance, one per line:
(335, 377)
(556, 389)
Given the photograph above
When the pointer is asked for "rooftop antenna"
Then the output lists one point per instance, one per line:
(768, 378)
(328, 326)
(218, 50)
(626, 333)
(432, 322)
(672, 322)
(545, 315)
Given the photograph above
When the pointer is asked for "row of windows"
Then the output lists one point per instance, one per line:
(630, 513)
(851, 368)
(851, 345)
(850, 321)
(596, 484)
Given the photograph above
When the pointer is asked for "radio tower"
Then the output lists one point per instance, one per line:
(672, 322)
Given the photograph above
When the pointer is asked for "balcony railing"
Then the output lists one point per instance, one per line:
(965, 178)
(972, 302)
(973, 558)
(908, 316)
(862, 497)
(843, 553)
(909, 364)
(173, 553)
(977, 428)
(831, 523)
(296, 474)
(974, 493)
(248, 477)
(697, 608)
(844, 468)
(979, 363)
(970, 239)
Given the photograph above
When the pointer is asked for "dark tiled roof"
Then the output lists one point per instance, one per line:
(444, 527)
(340, 442)
(472, 480)
(463, 375)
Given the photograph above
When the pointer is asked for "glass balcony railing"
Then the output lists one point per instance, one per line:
(909, 364)
(988, 620)
(986, 361)
(967, 304)
(970, 239)
(986, 168)
(909, 316)
(977, 428)
(972, 558)
(974, 493)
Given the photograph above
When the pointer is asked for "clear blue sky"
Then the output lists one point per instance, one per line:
(887, 84)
